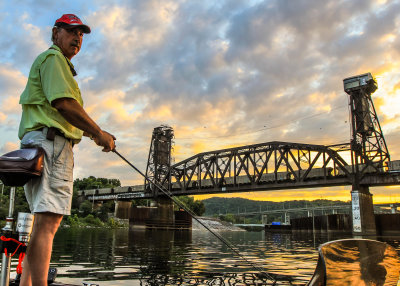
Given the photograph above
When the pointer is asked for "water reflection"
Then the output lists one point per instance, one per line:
(159, 251)
(166, 257)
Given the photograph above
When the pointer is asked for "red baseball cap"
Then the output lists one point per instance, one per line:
(72, 21)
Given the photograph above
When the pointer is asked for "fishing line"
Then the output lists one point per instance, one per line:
(181, 205)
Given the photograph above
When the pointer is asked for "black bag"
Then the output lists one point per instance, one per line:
(19, 166)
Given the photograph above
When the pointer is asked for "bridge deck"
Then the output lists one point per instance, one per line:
(383, 179)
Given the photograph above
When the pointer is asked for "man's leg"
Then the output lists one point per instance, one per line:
(37, 260)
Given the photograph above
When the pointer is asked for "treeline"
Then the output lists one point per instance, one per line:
(20, 203)
(82, 213)
(232, 209)
(95, 183)
(228, 209)
(91, 215)
(85, 212)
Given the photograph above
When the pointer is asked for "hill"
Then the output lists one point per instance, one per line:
(221, 206)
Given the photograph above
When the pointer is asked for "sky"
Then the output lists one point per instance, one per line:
(220, 73)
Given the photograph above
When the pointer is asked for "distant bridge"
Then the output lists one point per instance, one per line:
(260, 167)
(379, 208)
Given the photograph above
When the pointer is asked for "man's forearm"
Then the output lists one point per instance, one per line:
(74, 113)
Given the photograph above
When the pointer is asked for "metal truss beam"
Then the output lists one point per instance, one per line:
(262, 165)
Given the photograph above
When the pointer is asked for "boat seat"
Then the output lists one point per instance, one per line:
(19, 166)
(356, 262)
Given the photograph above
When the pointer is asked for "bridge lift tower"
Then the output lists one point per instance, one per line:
(158, 166)
(368, 148)
(159, 160)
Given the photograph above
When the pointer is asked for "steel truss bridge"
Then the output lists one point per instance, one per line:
(363, 162)
(259, 167)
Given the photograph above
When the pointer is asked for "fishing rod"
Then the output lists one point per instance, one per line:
(181, 205)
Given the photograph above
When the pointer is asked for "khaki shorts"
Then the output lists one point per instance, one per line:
(52, 192)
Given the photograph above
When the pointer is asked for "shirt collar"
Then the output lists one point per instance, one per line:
(71, 66)
(55, 47)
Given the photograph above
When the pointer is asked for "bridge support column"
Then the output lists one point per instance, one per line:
(165, 213)
(122, 209)
(287, 218)
(264, 219)
(362, 211)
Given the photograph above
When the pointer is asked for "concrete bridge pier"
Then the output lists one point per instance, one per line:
(264, 219)
(160, 215)
(122, 209)
(287, 218)
(164, 216)
(362, 211)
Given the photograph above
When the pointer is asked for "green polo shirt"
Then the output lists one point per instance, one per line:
(50, 78)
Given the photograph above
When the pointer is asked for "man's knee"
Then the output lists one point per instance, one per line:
(47, 222)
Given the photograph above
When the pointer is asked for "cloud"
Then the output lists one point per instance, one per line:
(222, 74)
(3, 117)
(8, 147)
(12, 80)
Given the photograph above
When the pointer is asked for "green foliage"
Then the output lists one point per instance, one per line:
(95, 183)
(72, 221)
(228, 217)
(82, 211)
(85, 208)
(105, 208)
(4, 208)
(231, 209)
(91, 220)
(112, 223)
(20, 203)
(224, 206)
(238, 219)
(197, 207)
(75, 201)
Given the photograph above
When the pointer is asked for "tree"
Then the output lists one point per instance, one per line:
(95, 183)
(20, 203)
(91, 182)
(105, 209)
(197, 207)
(85, 208)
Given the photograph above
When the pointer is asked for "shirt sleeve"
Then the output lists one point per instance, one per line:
(56, 78)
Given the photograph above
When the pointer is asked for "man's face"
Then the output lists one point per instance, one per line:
(69, 40)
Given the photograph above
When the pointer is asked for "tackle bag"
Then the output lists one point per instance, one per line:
(19, 166)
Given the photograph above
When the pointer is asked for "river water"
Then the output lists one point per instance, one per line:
(166, 257)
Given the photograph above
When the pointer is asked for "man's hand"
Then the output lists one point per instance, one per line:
(105, 140)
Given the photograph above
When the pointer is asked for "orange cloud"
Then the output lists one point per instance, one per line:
(3, 117)
(9, 146)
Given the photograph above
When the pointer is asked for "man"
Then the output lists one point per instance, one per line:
(54, 119)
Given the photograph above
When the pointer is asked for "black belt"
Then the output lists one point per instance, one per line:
(52, 132)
